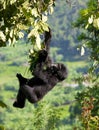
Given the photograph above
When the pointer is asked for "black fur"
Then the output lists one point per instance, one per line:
(44, 79)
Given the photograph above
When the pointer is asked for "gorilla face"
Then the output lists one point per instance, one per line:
(59, 70)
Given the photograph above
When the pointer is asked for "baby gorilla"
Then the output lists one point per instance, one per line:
(45, 76)
(43, 81)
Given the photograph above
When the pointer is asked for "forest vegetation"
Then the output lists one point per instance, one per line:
(72, 104)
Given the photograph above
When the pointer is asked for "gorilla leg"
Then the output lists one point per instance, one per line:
(21, 79)
(20, 102)
(30, 93)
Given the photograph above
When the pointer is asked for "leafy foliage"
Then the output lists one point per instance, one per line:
(46, 117)
(18, 17)
(90, 109)
(2, 128)
(34, 24)
(2, 104)
(90, 92)
(89, 21)
(88, 98)
(26, 15)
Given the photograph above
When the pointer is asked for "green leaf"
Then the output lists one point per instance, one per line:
(44, 26)
(21, 34)
(84, 12)
(38, 41)
(2, 127)
(12, 1)
(2, 36)
(51, 10)
(2, 104)
(11, 33)
(34, 12)
(90, 20)
(46, 1)
(44, 18)
(96, 23)
(32, 33)
(81, 36)
(82, 51)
